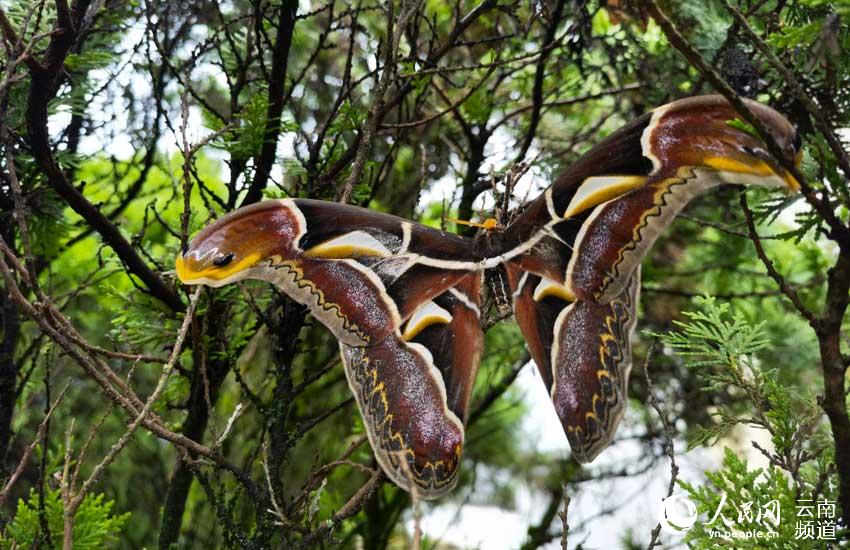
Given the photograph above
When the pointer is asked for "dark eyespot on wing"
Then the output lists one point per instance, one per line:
(222, 261)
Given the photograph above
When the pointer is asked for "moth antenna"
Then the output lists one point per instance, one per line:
(488, 223)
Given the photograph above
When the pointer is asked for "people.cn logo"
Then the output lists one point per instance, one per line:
(677, 514)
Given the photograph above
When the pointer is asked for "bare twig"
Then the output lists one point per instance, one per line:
(236, 412)
(350, 508)
(783, 285)
(414, 500)
(395, 28)
(565, 526)
(669, 449)
(73, 498)
(22, 463)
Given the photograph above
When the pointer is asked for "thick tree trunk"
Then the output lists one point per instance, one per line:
(9, 329)
(834, 371)
(196, 420)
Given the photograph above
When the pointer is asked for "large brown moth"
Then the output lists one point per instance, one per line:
(403, 299)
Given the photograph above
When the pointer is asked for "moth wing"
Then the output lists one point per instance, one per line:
(618, 234)
(583, 352)
(413, 262)
(413, 390)
(402, 299)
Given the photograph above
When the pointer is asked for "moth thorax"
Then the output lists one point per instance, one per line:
(487, 244)
(497, 283)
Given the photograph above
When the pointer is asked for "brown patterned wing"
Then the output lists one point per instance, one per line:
(592, 357)
(583, 352)
(413, 390)
(617, 235)
(573, 255)
(401, 298)
(409, 295)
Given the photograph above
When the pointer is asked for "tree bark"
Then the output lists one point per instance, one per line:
(834, 371)
(196, 421)
(10, 328)
(277, 85)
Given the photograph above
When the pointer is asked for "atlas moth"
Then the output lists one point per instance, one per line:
(404, 299)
